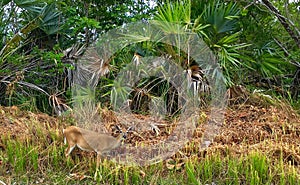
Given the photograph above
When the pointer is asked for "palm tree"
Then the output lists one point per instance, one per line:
(216, 22)
(27, 25)
(31, 19)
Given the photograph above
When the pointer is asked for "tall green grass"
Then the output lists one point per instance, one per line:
(41, 160)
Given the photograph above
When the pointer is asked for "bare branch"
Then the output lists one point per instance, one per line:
(286, 23)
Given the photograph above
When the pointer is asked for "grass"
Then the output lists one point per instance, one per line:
(27, 162)
(40, 159)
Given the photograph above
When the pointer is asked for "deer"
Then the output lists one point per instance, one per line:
(91, 141)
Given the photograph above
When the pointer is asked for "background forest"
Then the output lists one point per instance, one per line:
(256, 44)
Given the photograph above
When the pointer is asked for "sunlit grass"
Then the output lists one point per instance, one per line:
(41, 159)
(25, 163)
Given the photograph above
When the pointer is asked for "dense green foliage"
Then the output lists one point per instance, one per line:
(253, 46)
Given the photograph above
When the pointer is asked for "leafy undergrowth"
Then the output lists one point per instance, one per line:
(256, 145)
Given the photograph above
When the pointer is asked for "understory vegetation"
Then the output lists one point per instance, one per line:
(255, 44)
(32, 151)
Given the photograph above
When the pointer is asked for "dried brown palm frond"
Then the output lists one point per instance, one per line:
(90, 67)
(136, 59)
(196, 78)
(71, 55)
(27, 84)
(74, 52)
(59, 105)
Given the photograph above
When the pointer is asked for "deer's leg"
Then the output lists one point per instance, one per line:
(69, 150)
(97, 166)
(98, 160)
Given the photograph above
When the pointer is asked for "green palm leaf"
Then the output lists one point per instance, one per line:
(50, 19)
(30, 5)
(222, 17)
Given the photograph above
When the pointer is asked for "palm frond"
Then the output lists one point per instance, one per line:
(30, 85)
(170, 15)
(221, 16)
(50, 19)
(30, 5)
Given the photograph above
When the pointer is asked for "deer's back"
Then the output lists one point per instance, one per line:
(99, 141)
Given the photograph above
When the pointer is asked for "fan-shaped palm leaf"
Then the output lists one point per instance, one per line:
(221, 16)
(170, 15)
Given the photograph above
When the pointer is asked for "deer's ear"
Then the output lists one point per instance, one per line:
(118, 129)
(129, 129)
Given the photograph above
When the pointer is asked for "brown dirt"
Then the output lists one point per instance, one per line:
(18, 124)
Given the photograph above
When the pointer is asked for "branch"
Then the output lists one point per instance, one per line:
(284, 21)
(286, 53)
